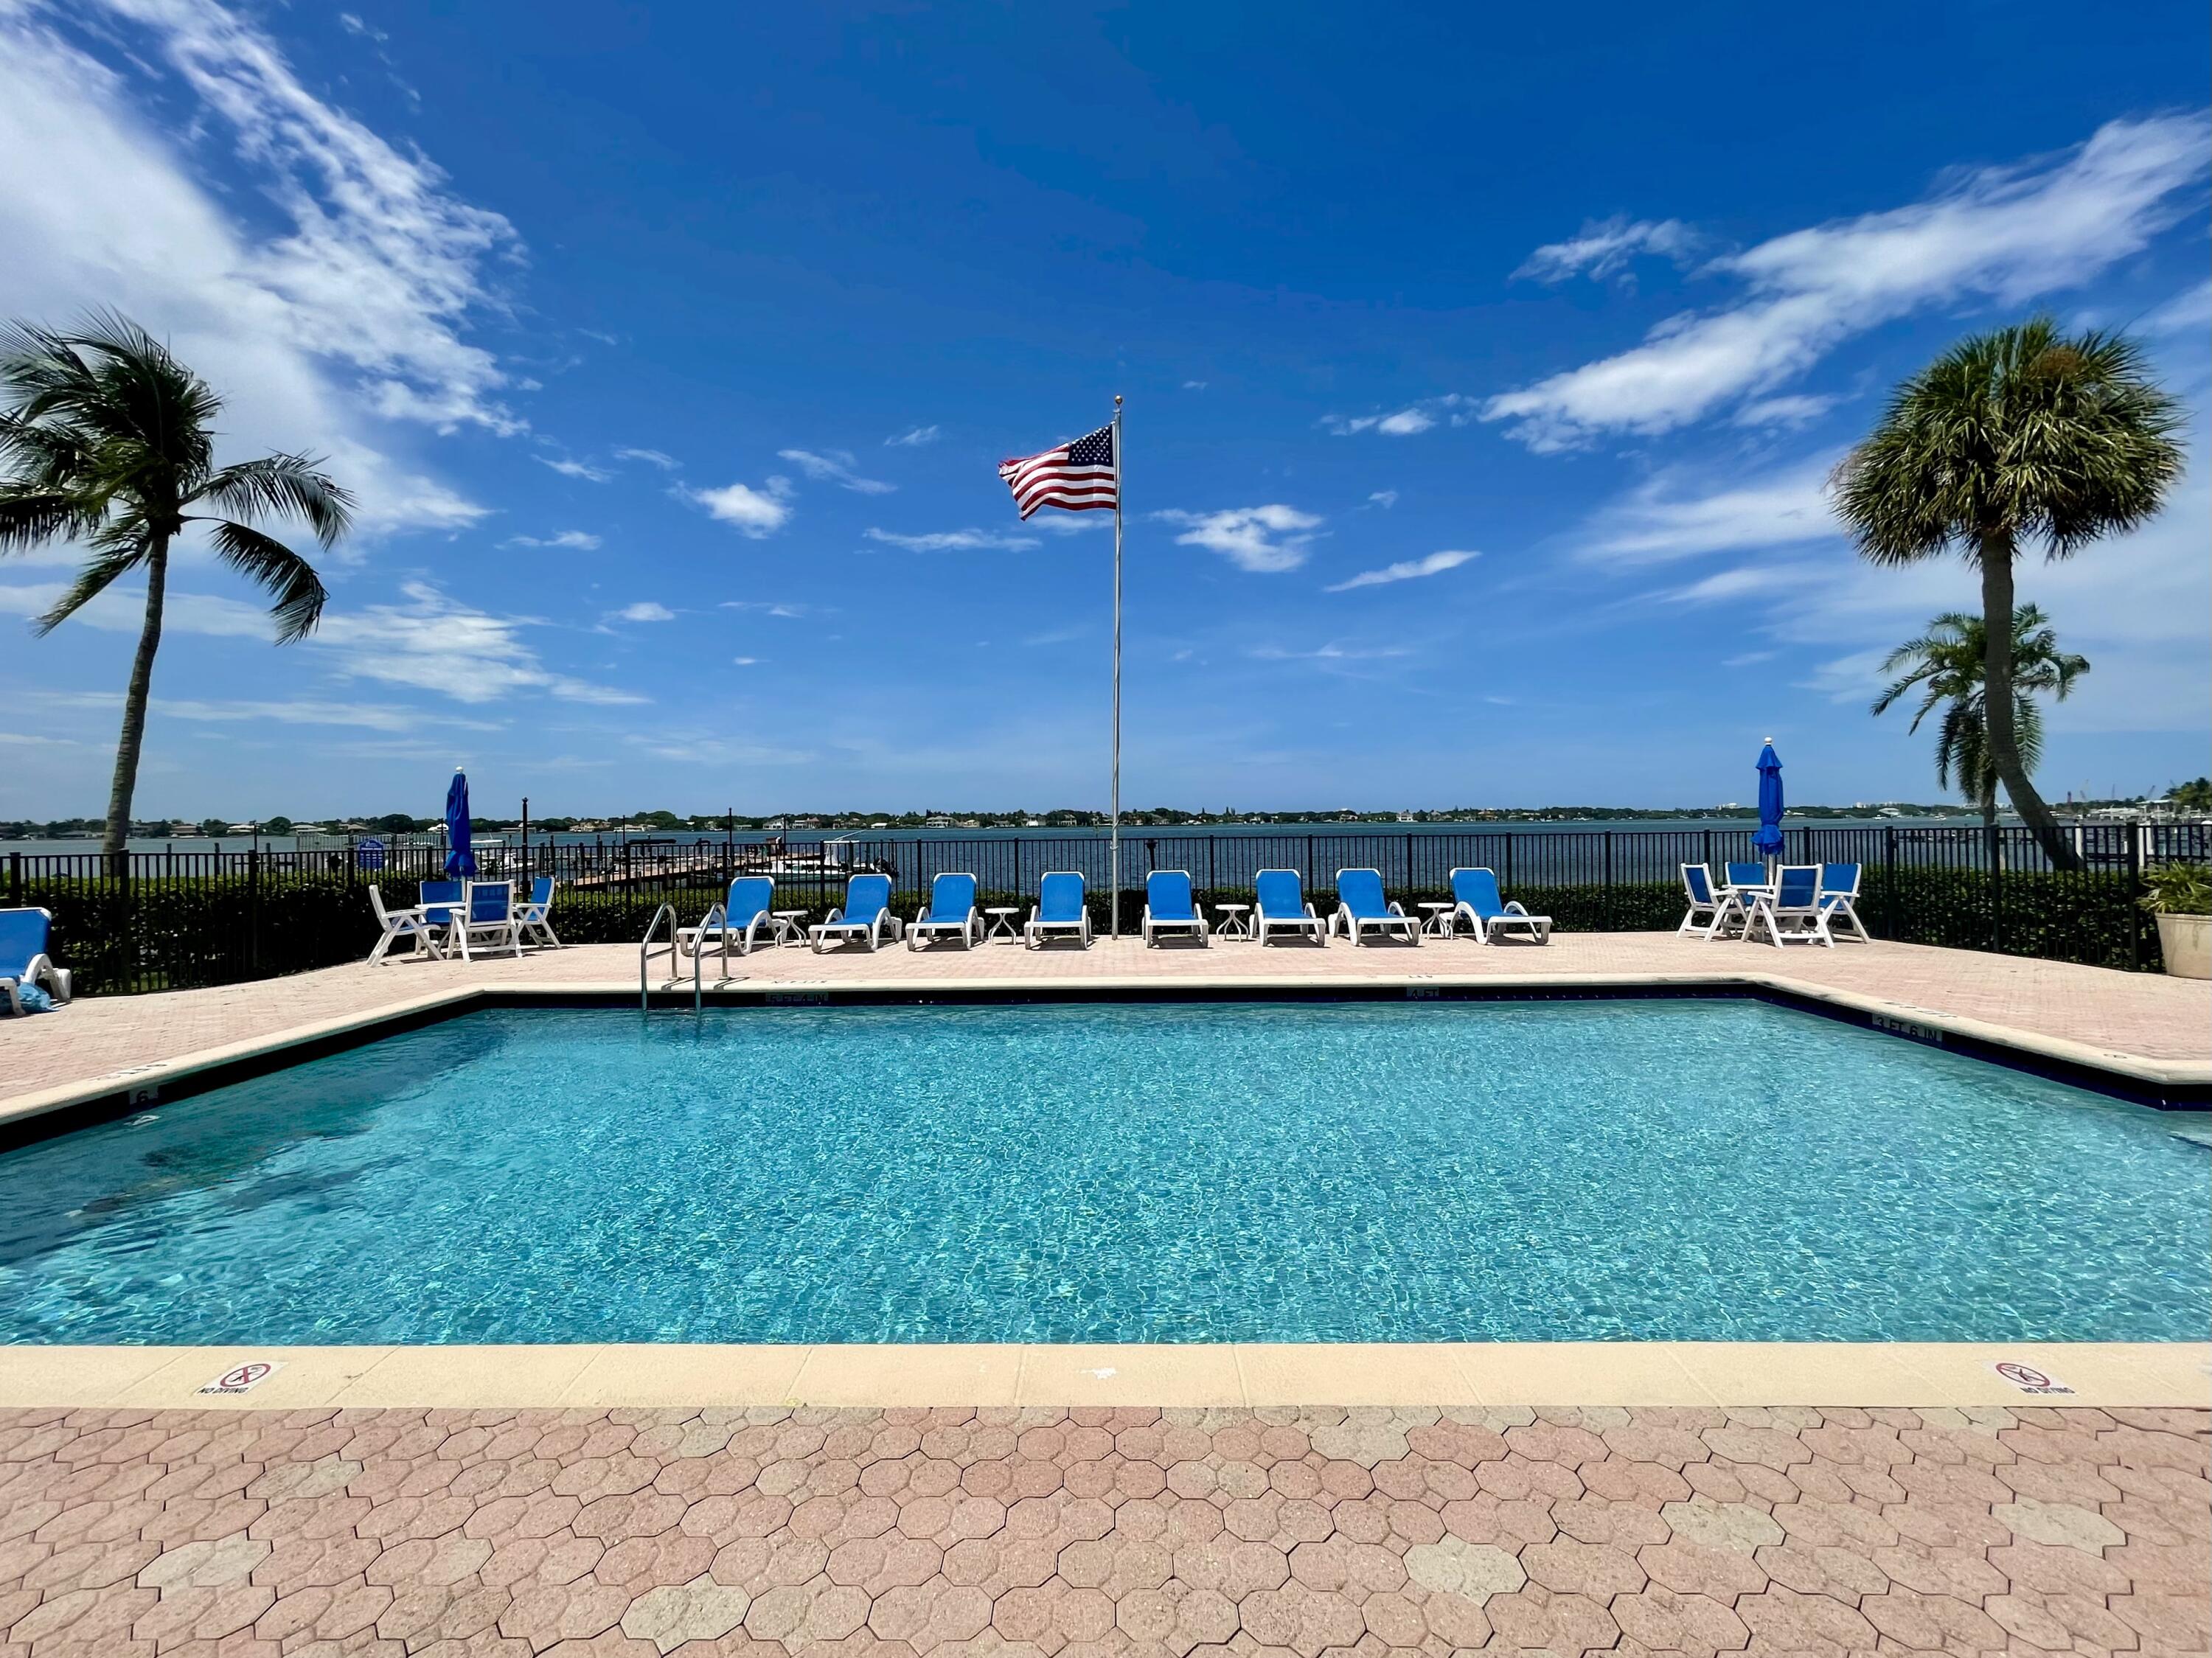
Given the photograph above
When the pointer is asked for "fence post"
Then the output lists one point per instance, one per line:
(1889, 880)
(253, 913)
(1996, 840)
(2135, 890)
(1311, 873)
(1210, 840)
(15, 879)
(1605, 908)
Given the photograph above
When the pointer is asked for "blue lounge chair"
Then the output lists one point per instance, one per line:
(1060, 911)
(1792, 911)
(865, 915)
(1169, 910)
(739, 920)
(1361, 908)
(535, 914)
(951, 912)
(1476, 900)
(1279, 906)
(490, 914)
(397, 923)
(24, 937)
(1839, 900)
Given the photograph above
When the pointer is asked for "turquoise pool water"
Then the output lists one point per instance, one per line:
(1660, 1170)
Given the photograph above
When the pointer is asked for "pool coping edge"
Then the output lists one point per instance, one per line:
(1921, 1375)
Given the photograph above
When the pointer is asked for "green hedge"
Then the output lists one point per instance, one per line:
(164, 934)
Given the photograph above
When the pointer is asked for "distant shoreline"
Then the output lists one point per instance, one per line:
(184, 845)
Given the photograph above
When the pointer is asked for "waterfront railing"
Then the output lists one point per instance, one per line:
(170, 920)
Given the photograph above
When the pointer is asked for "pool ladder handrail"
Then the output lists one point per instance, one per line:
(645, 953)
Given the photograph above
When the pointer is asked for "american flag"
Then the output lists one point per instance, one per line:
(1082, 477)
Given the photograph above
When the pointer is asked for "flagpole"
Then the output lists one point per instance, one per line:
(1114, 930)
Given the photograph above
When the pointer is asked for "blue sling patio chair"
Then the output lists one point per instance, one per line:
(534, 915)
(1170, 911)
(864, 915)
(952, 914)
(1278, 905)
(1060, 911)
(439, 903)
(1839, 901)
(1711, 908)
(1476, 900)
(1361, 909)
(488, 913)
(1791, 913)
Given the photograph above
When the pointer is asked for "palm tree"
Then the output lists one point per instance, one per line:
(107, 438)
(2019, 435)
(1948, 664)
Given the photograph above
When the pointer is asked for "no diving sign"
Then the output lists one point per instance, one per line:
(243, 1378)
(2028, 1379)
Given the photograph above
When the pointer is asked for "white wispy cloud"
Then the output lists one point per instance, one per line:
(953, 541)
(428, 641)
(1410, 569)
(1326, 653)
(1409, 422)
(582, 540)
(650, 457)
(1194, 386)
(912, 437)
(2187, 312)
(435, 642)
(576, 468)
(1792, 410)
(645, 610)
(352, 305)
(1386, 499)
(836, 467)
(1604, 247)
(2006, 233)
(1264, 539)
(754, 513)
(770, 607)
(1670, 517)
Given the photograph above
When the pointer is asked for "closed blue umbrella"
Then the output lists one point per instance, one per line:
(1768, 838)
(460, 860)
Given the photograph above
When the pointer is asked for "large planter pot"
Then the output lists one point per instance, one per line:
(2186, 941)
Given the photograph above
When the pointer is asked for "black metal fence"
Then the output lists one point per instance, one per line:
(174, 919)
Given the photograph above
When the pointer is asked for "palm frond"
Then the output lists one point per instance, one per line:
(30, 517)
(100, 571)
(283, 486)
(276, 567)
(2018, 435)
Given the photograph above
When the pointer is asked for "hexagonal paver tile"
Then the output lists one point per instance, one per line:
(700, 1609)
(1473, 1571)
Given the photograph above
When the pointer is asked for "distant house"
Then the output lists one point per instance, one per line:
(937, 822)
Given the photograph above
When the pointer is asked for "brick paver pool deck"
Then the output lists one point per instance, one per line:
(825, 1533)
(250, 1530)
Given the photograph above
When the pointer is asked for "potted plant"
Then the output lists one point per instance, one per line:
(2180, 895)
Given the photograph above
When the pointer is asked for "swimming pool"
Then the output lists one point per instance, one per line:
(1657, 1169)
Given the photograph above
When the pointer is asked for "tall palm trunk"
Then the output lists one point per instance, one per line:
(1999, 709)
(134, 705)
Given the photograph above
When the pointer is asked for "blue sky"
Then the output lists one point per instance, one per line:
(1482, 373)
